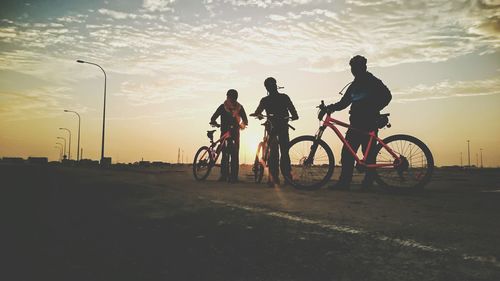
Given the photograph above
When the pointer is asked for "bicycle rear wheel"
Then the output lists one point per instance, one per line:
(258, 167)
(312, 163)
(202, 163)
(414, 170)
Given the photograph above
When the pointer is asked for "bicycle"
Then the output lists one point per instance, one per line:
(206, 156)
(263, 149)
(398, 162)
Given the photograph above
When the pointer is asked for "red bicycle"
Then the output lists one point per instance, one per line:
(398, 162)
(206, 156)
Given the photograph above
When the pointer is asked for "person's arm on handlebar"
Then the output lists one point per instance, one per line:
(244, 118)
(259, 109)
(292, 110)
(344, 102)
(216, 115)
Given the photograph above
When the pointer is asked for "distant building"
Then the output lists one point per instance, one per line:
(160, 164)
(13, 160)
(106, 162)
(88, 163)
(68, 162)
(38, 160)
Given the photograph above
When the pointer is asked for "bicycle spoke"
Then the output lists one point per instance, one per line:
(308, 171)
(411, 169)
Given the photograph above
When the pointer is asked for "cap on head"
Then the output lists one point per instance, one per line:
(232, 94)
(358, 61)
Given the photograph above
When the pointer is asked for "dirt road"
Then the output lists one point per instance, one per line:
(90, 224)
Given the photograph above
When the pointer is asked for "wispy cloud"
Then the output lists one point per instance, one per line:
(140, 94)
(158, 5)
(448, 89)
(314, 36)
(268, 3)
(33, 104)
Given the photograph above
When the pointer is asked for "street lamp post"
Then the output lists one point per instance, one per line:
(61, 138)
(104, 107)
(60, 150)
(69, 147)
(78, 148)
(481, 150)
(468, 152)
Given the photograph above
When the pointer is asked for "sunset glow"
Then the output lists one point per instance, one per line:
(170, 62)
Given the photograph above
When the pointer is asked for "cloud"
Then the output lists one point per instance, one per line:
(372, 3)
(6, 33)
(116, 14)
(314, 36)
(73, 19)
(43, 102)
(268, 3)
(448, 89)
(155, 92)
(158, 5)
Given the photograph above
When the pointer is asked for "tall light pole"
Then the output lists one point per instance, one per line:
(104, 107)
(468, 152)
(60, 150)
(78, 148)
(69, 147)
(481, 150)
(61, 138)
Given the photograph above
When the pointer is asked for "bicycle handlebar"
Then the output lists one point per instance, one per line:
(260, 116)
(322, 105)
(323, 109)
(216, 125)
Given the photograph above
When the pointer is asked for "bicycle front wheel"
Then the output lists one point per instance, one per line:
(202, 163)
(312, 163)
(258, 167)
(412, 172)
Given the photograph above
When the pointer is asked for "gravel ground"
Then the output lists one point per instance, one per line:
(90, 224)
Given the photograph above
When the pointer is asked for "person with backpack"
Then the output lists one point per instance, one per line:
(367, 95)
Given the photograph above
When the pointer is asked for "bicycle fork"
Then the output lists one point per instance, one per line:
(310, 158)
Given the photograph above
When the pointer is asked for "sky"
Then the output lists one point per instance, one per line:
(169, 64)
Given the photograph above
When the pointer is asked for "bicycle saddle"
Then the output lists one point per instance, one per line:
(383, 120)
(210, 134)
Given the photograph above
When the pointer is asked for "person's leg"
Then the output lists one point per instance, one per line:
(347, 159)
(273, 159)
(235, 160)
(224, 165)
(370, 173)
(284, 143)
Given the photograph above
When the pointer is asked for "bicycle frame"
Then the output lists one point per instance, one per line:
(331, 122)
(265, 142)
(268, 127)
(222, 142)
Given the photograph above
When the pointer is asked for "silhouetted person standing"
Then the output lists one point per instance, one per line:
(233, 118)
(367, 95)
(279, 106)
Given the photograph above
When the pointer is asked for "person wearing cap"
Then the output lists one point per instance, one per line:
(234, 118)
(280, 106)
(366, 95)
